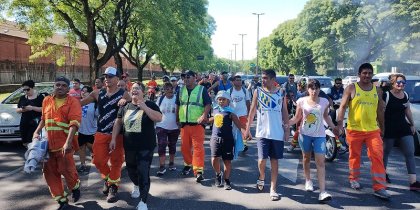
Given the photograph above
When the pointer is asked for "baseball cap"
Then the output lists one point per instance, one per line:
(223, 94)
(190, 73)
(111, 71)
(63, 79)
(174, 79)
(225, 72)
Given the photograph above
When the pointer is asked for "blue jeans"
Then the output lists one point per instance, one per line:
(309, 143)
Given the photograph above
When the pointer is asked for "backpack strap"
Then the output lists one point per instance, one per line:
(386, 98)
(160, 100)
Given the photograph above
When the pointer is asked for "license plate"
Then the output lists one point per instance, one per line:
(5, 131)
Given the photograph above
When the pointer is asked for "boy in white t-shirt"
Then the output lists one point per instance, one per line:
(240, 102)
(167, 130)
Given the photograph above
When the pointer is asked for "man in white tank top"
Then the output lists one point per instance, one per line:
(272, 128)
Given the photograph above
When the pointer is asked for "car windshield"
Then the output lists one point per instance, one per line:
(410, 89)
(14, 97)
(325, 82)
(281, 79)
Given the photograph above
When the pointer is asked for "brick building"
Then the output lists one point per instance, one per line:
(15, 66)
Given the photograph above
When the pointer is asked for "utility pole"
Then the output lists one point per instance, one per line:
(235, 55)
(242, 35)
(258, 38)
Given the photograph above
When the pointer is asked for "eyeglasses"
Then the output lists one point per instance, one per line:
(26, 89)
(400, 82)
(238, 80)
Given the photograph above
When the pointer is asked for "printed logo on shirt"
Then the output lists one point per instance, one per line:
(312, 122)
(133, 120)
(266, 101)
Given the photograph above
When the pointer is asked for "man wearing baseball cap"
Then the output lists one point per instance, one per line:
(61, 116)
(193, 105)
(107, 102)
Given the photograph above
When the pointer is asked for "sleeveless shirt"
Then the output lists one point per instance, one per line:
(269, 115)
(108, 109)
(362, 110)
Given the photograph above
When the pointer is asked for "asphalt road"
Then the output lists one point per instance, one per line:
(175, 191)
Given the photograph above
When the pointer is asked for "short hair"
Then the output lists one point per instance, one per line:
(101, 78)
(29, 83)
(314, 84)
(365, 66)
(338, 79)
(270, 73)
(237, 77)
(291, 75)
(76, 80)
(89, 89)
(168, 84)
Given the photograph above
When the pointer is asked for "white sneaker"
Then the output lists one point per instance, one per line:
(324, 196)
(136, 192)
(309, 186)
(142, 206)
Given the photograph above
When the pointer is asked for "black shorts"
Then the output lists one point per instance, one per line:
(222, 148)
(84, 139)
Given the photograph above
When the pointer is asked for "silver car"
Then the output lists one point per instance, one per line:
(9, 118)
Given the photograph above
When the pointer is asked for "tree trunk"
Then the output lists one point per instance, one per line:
(118, 62)
(140, 73)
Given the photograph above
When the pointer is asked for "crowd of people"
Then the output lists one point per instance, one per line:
(117, 123)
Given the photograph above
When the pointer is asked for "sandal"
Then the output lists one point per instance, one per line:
(260, 184)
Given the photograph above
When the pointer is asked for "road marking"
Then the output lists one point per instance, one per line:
(93, 177)
(10, 173)
(288, 168)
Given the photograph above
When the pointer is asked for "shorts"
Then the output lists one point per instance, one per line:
(309, 143)
(270, 148)
(84, 139)
(222, 148)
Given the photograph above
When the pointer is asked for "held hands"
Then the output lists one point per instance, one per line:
(36, 136)
(203, 119)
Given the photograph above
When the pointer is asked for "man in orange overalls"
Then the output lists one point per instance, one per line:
(366, 113)
(61, 115)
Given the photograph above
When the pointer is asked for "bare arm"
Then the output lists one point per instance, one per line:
(115, 132)
(213, 86)
(328, 119)
(252, 111)
(154, 115)
(285, 117)
(38, 129)
(380, 111)
(67, 148)
(92, 97)
(298, 116)
(343, 106)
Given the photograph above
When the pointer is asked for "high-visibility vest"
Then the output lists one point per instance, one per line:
(191, 106)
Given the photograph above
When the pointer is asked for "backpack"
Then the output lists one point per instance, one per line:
(231, 90)
(161, 99)
(387, 97)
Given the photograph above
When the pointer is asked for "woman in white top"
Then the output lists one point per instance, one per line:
(312, 110)
(167, 130)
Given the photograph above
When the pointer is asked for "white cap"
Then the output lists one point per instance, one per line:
(223, 94)
(110, 71)
(174, 79)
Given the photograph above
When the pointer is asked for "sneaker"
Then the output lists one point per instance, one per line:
(112, 195)
(62, 205)
(75, 194)
(142, 206)
(245, 148)
(309, 186)
(162, 171)
(383, 194)
(186, 170)
(260, 185)
(274, 196)
(81, 168)
(324, 196)
(135, 193)
(415, 186)
(218, 180)
(105, 188)
(199, 177)
(172, 167)
(355, 185)
(228, 185)
(388, 180)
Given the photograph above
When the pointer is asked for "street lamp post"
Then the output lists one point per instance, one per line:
(258, 37)
(242, 35)
(235, 55)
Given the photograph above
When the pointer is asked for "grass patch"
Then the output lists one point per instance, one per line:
(3, 96)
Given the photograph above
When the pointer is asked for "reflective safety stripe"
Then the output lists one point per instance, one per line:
(62, 124)
(185, 164)
(114, 181)
(198, 169)
(77, 185)
(52, 128)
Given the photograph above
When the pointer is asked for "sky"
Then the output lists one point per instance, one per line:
(234, 17)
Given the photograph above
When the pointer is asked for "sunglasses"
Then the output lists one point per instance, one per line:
(400, 82)
(26, 89)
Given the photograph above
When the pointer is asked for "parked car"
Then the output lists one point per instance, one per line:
(349, 79)
(326, 82)
(9, 118)
(281, 79)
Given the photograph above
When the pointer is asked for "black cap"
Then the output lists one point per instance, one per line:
(225, 72)
(190, 73)
(63, 79)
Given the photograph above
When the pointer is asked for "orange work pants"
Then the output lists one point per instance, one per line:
(57, 165)
(102, 154)
(192, 147)
(374, 145)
